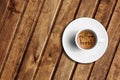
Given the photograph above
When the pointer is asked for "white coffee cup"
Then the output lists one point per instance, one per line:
(86, 39)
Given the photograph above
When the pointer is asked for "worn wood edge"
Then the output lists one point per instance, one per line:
(3, 8)
(30, 37)
(57, 64)
(48, 37)
(111, 14)
(4, 15)
(40, 64)
(12, 39)
(111, 74)
(52, 23)
(11, 42)
(19, 22)
(112, 62)
(43, 46)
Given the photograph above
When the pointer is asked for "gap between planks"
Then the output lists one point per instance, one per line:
(114, 71)
(3, 16)
(116, 49)
(12, 39)
(52, 23)
(64, 9)
(26, 3)
(29, 43)
(52, 77)
(30, 38)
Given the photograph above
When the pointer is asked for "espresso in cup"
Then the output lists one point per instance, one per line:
(86, 39)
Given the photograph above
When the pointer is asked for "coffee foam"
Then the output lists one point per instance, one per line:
(86, 39)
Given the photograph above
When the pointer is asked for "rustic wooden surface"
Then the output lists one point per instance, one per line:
(30, 39)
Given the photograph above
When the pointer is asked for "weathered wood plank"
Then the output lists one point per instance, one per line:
(39, 38)
(101, 67)
(8, 30)
(21, 38)
(54, 48)
(4, 12)
(82, 71)
(105, 11)
(3, 6)
(66, 65)
(87, 10)
(65, 68)
(114, 73)
(103, 14)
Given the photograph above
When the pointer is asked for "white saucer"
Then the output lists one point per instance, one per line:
(87, 56)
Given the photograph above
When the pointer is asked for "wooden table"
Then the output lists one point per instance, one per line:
(30, 39)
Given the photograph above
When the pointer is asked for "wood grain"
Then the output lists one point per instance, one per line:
(30, 39)
(38, 41)
(66, 65)
(64, 69)
(21, 38)
(83, 70)
(8, 30)
(3, 7)
(101, 67)
(54, 48)
(3, 11)
(105, 11)
(87, 10)
(114, 73)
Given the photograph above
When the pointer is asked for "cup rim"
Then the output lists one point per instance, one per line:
(78, 44)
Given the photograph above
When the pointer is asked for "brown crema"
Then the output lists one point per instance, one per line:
(86, 39)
